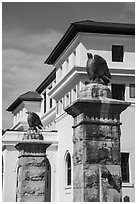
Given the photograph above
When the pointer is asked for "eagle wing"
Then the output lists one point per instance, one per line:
(90, 68)
(104, 70)
(30, 120)
(36, 120)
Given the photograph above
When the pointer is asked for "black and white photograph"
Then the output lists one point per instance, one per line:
(68, 101)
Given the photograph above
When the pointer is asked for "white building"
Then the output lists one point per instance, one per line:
(115, 43)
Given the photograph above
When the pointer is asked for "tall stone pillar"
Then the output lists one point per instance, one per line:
(31, 172)
(96, 145)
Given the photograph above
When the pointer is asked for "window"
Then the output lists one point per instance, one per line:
(132, 90)
(74, 57)
(50, 103)
(61, 106)
(68, 169)
(67, 100)
(57, 106)
(118, 91)
(70, 94)
(67, 64)
(50, 87)
(125, 167)
(126, 199)
(60, 71)
(44, 102)
(74, 94)
(117, 53)
(54, 82)
(78, 89)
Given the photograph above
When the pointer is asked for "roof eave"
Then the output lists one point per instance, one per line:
(46, 82)
(94, 27)
(71, 30)
(18, 101)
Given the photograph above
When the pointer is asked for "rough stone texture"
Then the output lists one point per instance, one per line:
(31, 169)
(95, 90)
(32, 134)
(91, 150)
(96, 145)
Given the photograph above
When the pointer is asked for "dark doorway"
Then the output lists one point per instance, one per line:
(48, 182)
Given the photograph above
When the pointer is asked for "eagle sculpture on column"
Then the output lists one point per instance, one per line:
(34, 121)
(97, 69)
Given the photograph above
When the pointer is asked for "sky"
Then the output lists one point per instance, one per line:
(31, 30)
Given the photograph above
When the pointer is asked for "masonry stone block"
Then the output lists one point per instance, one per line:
(31, 176)
(96, 145)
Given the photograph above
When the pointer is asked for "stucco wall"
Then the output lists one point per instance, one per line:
(128, 146)
(102, 45)
(65, 133)
(9, 182)
(51, 155)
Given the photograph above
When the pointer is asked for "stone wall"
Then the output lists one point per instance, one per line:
(96, 145)
(32, 170)
(96, 150)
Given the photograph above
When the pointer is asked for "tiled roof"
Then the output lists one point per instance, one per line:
(89, 26)
(29, 96)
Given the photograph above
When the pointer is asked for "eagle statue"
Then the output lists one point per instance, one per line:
(34, 121)
(97, 69)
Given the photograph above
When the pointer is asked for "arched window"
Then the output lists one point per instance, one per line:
(68, 169)
(2, 170)
(126, 199)
(47, 181)
(17, 186)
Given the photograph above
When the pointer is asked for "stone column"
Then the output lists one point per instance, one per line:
(96, 145)
(31, 168)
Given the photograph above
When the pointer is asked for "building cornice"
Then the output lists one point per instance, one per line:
(77, 73)
(89, 27)
(67, 81)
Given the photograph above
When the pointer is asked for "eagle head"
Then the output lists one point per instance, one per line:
(28, 112)
(90, 56)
